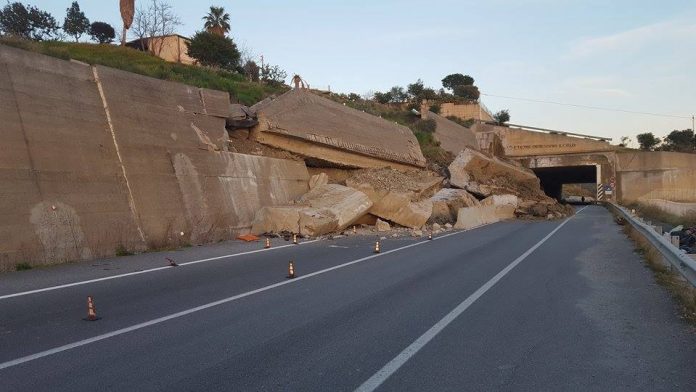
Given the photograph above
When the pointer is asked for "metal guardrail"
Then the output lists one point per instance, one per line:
(677, 258)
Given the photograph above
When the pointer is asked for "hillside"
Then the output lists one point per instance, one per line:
(132, 60)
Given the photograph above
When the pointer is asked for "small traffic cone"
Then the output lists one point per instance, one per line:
(354, 230)
(377, 247)
(291, 270)
(91, 310)
(430, 236)
(268, 243)
(172, 263)
(294, 239)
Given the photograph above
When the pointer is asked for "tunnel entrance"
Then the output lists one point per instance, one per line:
(553, 178)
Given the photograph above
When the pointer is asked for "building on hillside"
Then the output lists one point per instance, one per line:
(465, 111)
(172, 48)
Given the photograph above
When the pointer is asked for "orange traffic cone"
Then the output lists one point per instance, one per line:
(268, 243)
(430, 236)
(294, 239)
(377, 247)
(91, 310)
(354, 230)
(291, 270)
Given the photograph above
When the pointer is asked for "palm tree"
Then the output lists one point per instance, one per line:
(217, 21)
(127, 12)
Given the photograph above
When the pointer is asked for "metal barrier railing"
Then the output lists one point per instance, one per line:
(679, 260)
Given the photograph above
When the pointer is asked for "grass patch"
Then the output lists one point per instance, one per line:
(22, 267)
(680, 289)
(142, 63)
(122, 251)
(658, 215)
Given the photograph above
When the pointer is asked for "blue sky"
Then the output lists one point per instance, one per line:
(636, 55)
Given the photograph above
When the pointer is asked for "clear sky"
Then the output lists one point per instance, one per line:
(635, 55)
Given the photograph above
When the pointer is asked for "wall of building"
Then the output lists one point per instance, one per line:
(171, 48)
(93, 159)
(465, 111)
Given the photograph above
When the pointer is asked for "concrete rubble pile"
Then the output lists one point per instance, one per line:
(486, 176)
(398, 197)
(325, 209)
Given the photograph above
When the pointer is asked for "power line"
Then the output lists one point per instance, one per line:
(589, 107)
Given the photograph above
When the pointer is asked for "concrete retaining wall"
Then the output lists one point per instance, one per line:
(93, 159)
(656, 175)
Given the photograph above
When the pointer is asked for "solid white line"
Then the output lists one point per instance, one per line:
(390, 368)
(63, 286)
(80, 283)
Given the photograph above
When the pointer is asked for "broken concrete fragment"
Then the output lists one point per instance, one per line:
(447, 202)
(436, 227)
(382, 225)
(367, 219)
(501, 200)
(470, 217)
(394, 201)
(314, 222)
(346, 203)
(318, 180)
(471, 169)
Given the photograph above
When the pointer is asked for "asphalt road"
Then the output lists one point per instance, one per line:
(514, 306)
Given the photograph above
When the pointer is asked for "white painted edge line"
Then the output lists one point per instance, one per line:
(63, 286)
(159, 320)
(392, 366)
(84, 282)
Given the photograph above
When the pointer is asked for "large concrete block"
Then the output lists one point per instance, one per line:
(316, 127)
(471, 217)
(447, 202)
(473, 166)
(347, 204)
(276, 220)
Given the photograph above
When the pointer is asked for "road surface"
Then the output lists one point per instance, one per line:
(514, 306)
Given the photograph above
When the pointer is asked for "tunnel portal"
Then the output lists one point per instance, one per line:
(553, 178)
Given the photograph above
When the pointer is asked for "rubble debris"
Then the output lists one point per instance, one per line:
(381, 225)
(402, 198)
(318, 180)
(324, 209)
(241, 117)
(447, 202)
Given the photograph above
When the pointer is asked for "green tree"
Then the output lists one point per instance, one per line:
(467, 92)
(680, 141)
(27, 22)
(454, 80)
(76, 23)
(102, 32)
(502, 116)
(415, 90)
(213, 50)
(398, 94)
(647, 141)
(251, 70)
(217, 21)
(273, 75)
(383, 98)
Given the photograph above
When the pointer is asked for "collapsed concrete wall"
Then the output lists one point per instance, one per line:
(93, 159)
(452, 136)
(318, 128)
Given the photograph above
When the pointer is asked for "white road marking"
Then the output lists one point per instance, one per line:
(80, 283)
(159, 320)
(390, 368)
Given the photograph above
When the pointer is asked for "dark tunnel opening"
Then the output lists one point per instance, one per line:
(553, 178)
